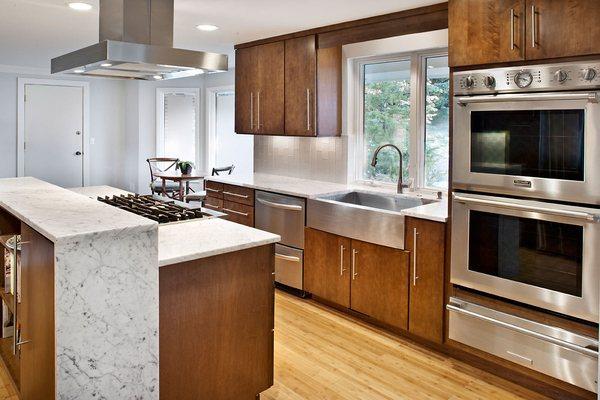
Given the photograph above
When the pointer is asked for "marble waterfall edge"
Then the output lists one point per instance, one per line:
(106, 315)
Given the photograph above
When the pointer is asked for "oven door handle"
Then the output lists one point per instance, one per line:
(591, 352)
(523, 207)
(591, 97)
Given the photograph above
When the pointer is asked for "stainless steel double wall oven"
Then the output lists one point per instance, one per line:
(526, 200)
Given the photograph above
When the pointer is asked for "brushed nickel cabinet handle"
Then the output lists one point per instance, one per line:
(342, 249)
(308, 109)
(243, 196)
(212, 190)
(533, 26)
(14, 278)
(211, 206)
(251, 110)
(258, 110)
(415, 236)
(235, 212)
(512, 28)
(22, 342)
(354, 269)
(287, 258)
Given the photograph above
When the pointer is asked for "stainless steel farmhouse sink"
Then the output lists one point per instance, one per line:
(371, 217)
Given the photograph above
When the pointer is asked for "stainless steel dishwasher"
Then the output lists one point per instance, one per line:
(284, 216)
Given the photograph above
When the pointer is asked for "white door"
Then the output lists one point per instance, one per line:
(231, 148)
(53, 134)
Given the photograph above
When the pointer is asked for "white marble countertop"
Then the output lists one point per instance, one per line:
(59, 213)
(190, 240)
(437, 211)
(99, 191)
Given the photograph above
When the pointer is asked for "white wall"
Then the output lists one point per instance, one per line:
(107, 128)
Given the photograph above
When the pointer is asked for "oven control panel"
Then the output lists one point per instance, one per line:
(548, 77)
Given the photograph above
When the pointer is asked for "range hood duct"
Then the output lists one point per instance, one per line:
(136, 42)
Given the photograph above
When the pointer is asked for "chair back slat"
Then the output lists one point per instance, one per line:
(220, 170)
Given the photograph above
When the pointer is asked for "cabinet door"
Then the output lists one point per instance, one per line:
(485, 31)
(270, 94)
(562, 28)
(300, 86)
(379, 286)
(246, 87)
(36, 316)
(426, 242)
(327, 266)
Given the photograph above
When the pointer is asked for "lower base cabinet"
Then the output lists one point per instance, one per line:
(367, 278)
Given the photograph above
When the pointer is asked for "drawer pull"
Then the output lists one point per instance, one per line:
(211, 206)
(235, 212)
(579, 349)
(243, 196)
(287, 258)
(520, 357)
(212, 190)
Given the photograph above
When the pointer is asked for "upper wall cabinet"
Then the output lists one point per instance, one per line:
(485, 31)
(288, 88)
(259, 89)
(562, 28)
(498, 31)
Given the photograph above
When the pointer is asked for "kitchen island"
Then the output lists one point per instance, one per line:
(97, 332)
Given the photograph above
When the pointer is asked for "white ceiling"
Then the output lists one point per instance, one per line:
(34, 31)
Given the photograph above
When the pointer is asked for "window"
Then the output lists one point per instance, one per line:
(177, 124)
(404, 101)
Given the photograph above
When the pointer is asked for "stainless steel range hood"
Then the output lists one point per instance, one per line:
(136, 42)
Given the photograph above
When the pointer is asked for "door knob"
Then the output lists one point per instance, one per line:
(77, 153)
(78, 133)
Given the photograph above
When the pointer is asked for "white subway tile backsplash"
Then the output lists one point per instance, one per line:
(323, 159)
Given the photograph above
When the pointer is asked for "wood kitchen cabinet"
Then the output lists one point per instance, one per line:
(259, 89)
(562, 28)
(498, 31)
(289, 87)
(379, 285)
(479, 31)
(35, 316)
(327, 266)
(426, 242)
(235, 201)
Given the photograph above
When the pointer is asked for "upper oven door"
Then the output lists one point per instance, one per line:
(537, 253)
(543, 145)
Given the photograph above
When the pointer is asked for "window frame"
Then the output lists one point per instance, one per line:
(417, 123)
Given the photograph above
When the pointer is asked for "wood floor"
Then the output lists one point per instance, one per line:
(323, 355)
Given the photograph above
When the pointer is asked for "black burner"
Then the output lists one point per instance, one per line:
(157, 208)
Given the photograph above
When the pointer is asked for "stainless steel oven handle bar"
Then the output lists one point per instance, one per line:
(580, 349)
(592, 97)
(523, 207)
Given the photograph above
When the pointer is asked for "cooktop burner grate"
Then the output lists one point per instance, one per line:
(149, 206)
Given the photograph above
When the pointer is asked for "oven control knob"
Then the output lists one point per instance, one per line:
(489, 81)
(469, 82)
(589, 74)
(561, 76)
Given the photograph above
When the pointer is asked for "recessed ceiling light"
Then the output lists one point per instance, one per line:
(80, 6)
(106, 65)
(207, 27)
(79, 71)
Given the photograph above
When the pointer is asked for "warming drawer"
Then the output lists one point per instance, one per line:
(562, 354)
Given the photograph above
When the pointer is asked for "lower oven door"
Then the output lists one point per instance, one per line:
(562, 354)
(289, 266)
(542, 254)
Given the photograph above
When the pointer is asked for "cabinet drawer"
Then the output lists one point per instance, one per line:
(238, 194)
(240, 213)
(214, 189)
(213, 203)
(562, 354)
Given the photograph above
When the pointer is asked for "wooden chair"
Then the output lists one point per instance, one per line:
(201, 195)
(161, 164)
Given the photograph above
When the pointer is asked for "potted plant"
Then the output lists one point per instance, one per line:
(185, 167)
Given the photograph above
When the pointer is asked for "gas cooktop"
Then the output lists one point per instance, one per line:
(158, 208)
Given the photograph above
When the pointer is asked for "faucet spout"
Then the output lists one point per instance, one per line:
(401, 185)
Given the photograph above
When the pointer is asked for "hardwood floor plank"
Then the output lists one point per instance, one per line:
(323, 354)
